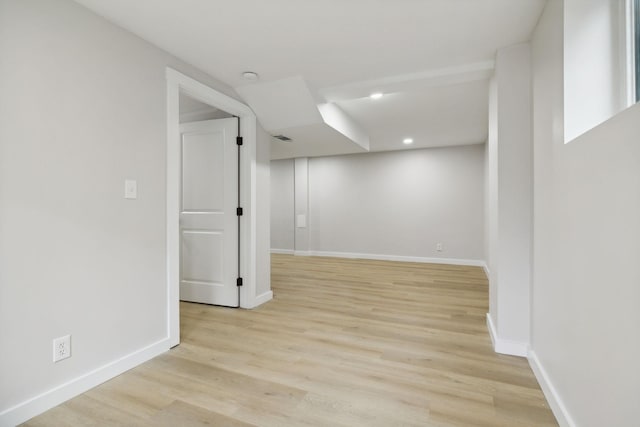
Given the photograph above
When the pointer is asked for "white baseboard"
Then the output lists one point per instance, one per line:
(57, 395)
(492, 331)
(487, 272)
(382, 257)
(282, 251)
(260, 299)
(502, 346)
(555, 402)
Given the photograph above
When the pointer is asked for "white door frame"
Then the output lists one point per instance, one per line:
(179, 83)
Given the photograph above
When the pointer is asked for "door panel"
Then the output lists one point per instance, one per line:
(202, 255)
(208, 221)
(202, 164)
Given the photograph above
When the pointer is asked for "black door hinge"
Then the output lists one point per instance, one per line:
(239, 281)
(239, 140)
(239, 211)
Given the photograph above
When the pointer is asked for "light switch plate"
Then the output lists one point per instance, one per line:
(301, 221)
(130, 189)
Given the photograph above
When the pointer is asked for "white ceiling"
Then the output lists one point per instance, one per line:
(432, 58)
(434, 116)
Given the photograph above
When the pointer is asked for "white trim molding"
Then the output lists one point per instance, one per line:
(485, 267)
(550, 392)
(63, 392)
(179, 83)
(503, 346)
(282, 251)
(402, 258)
(260, 299)
(303, 253)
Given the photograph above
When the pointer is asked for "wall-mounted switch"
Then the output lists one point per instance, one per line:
(439, 247)
(130, 189)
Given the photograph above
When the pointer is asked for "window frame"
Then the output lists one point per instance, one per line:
(635, 47)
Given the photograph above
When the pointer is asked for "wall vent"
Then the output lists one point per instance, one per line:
(282, 138)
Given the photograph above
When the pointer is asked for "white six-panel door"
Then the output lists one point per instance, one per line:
(208, 220)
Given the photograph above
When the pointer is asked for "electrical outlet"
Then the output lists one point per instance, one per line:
(130, 189)
(439, 247)
(61, 348)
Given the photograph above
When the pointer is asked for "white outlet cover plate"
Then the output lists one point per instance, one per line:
(61, 348)
(130, 189)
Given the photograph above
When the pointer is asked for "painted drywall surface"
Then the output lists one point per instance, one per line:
(399, 203)
(585, 311)
(514, 194)
(263, 214)
(486, 231)
(83, 107)
(282, 205)
(594, 80)
(486, 206)
(301, 204)
(491, 209)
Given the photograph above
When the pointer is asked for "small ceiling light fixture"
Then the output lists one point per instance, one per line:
(251, 76)
(407, 141)
(376, 95)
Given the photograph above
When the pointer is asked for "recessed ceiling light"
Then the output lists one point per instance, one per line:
(376, 95)
(251, 76)
(407, 141)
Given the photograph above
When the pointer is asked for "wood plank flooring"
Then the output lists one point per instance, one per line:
(343, 343)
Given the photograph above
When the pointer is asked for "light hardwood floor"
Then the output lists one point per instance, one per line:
(343, 343)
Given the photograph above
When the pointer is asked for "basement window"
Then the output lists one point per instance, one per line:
(601, 62)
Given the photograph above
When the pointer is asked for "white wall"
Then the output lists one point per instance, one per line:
(263, 217)
(510, 198)
(282, 205)
(586, 293)
(301, 205)
(397, 204)
(83, 107)
(491, 198)
(594, 79)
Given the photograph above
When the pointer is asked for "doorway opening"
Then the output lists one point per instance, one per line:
(210, 203)
(197, 113)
